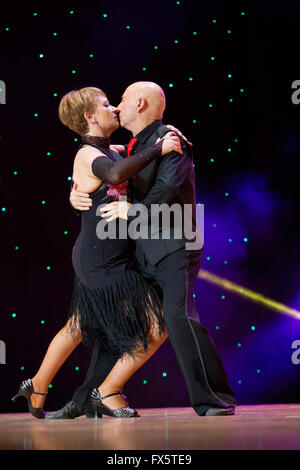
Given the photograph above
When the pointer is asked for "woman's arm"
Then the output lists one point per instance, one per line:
(118, 172)
(111, 171)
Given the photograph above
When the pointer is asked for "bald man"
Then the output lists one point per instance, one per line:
(142, 104)
(166, 263)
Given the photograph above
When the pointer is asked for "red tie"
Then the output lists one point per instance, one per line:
(131, 145)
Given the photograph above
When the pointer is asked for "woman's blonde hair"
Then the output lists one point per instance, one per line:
(73, 106)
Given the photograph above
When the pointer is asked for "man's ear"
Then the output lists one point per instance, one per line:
(142, 104)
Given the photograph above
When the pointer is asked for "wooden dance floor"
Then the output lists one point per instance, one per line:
(253, 427)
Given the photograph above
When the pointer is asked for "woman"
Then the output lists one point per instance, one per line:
(112, 306)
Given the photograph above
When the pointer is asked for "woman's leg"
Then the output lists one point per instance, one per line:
(58, 352)
(125, 367)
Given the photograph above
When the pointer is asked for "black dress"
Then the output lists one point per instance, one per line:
(113, 304)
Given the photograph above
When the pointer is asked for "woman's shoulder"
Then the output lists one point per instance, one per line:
(87, 153)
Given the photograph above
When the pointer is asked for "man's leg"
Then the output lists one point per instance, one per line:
(194, 259)
(198, 359)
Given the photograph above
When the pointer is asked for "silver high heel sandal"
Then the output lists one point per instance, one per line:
(125, 412)
(26, 390)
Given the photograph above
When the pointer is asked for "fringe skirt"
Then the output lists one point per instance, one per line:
(118, 316)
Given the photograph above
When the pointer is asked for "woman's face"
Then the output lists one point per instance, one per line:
(106, 116)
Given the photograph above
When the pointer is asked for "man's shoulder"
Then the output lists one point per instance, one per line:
(162, 130)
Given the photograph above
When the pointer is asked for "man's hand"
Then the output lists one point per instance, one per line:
(117, 148)
(80, 201)
(115, 209)
(179, 133)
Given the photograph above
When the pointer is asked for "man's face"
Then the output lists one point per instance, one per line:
(127, 109)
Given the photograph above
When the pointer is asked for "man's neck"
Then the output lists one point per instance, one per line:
(137, 127)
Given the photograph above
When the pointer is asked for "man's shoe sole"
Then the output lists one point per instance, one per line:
(219, 412)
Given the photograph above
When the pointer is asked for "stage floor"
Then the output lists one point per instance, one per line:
(253, 427)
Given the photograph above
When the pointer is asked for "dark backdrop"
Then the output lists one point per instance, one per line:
(227, 73)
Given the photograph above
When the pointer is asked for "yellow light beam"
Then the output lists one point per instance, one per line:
(231, 286)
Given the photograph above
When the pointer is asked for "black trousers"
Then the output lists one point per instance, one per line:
(201, 366)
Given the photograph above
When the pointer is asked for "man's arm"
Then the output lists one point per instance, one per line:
(171, 173)
(79, 201)
(77, 212)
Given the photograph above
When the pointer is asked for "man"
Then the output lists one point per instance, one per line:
(164, 262)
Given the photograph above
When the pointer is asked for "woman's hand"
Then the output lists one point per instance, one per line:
(171, 143)
(80, 201)
(179, 133)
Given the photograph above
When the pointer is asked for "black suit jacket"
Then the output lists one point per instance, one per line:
(169, 179)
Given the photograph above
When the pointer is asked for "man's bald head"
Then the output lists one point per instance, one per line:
(152, 93)
(142, 103)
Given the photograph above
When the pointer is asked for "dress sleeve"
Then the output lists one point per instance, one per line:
(118, 172)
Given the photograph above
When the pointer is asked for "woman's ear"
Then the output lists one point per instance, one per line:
(87, 117)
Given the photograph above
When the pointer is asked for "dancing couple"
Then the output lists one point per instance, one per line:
(129, 296)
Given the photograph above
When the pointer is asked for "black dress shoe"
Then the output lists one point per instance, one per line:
(70, 411)
(220, 412)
